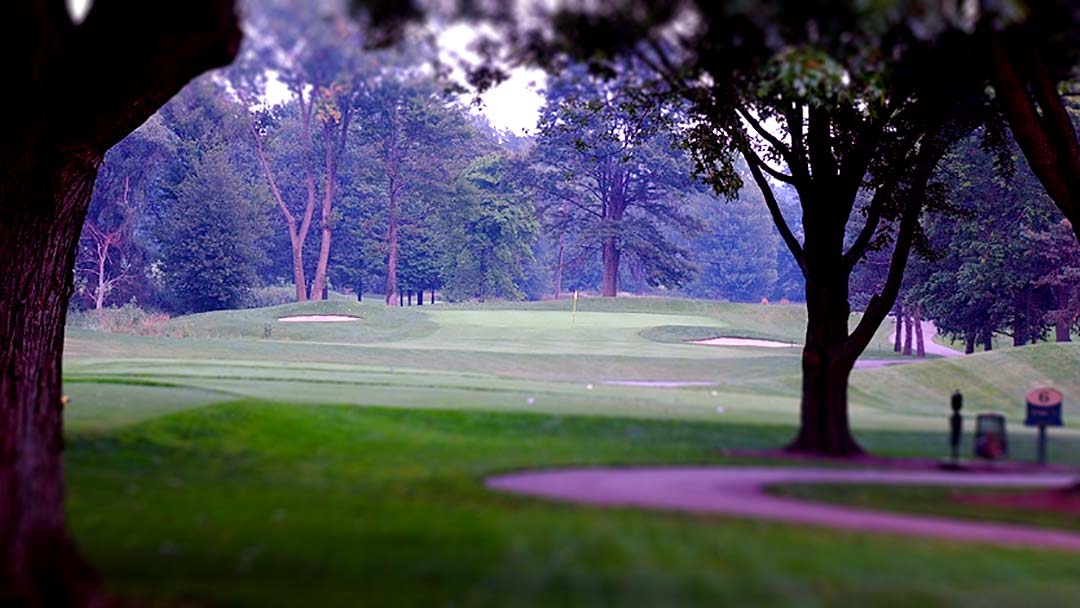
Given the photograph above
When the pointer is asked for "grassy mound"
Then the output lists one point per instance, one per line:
(378, 323)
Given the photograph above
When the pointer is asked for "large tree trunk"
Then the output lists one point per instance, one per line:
(826, 365)
(988, 341)
(920, 343)
(48, 162)
(610, 285)
(969, 343)
(40, 223)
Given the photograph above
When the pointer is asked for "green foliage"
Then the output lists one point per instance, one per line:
(209, 236)
(991, 271)
(490, 234)
(606, 168)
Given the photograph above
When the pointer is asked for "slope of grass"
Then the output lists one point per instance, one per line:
(378, 323)
(265, 504)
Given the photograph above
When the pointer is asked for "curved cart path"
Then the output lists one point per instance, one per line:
(740, 491)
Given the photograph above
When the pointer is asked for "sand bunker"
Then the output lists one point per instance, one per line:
(660, 383)
(318, 319)
(744, 342)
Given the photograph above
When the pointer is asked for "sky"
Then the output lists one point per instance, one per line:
(512, 106)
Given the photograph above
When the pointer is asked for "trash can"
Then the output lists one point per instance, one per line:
(991, 440)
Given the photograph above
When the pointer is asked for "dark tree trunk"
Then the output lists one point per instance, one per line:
(1037, 115)
(420, 297)
(920, 343)
(907, 332)
(392, 249)
(1062, 326)
(432, 296)
(48, 162)
(988, 341)
(39, 232)
(826, 367)
(1019, 330)
(969, 343)
(898, 334)
(610, 285)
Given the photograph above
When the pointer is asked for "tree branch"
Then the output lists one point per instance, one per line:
(781, 224)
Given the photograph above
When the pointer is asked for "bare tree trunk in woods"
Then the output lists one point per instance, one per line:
(103, 245)
(297, 232)
(898, 334)
(129, 58)
(920, 344)
(988, 341)
(907, 332)
(559, 267)
(610, 284)
(1063, 321)
(969, 343)
(319, 283)
(392, 249)
(1019, 329)
(335, 153)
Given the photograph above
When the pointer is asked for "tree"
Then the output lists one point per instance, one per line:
(611, 176)
(1029, 57)
(318, 57)
(414, 140)
(490, 234)
(1057, 253)
(209, 236)
(51, 152)
(869, 112)
(737, 250)
(998, 270)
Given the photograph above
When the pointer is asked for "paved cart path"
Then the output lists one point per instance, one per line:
(740, 491)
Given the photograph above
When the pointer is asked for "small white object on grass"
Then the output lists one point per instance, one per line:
(714, 393)
(588, 386)
(531, 400)
(719, 409)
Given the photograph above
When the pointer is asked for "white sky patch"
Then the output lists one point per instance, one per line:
(515, 103)
(78, 9)
(277, 92)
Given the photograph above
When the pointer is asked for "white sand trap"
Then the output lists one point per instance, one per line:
(744, 342)
(660, 383)
(318, 319)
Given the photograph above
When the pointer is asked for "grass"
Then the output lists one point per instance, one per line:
(263, 504)
(342, 464)
(929, 500)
